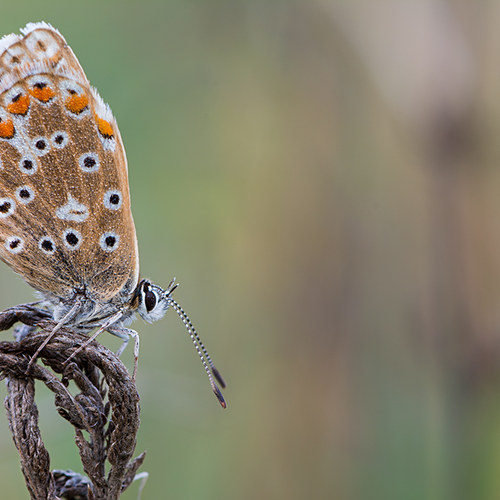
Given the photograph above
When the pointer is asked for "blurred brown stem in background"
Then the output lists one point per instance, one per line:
(107, 408)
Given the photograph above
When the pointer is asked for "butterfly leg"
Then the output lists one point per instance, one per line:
(103, 327)
(64, 320)
(125, 334)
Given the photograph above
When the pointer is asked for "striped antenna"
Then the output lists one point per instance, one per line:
(205, 358)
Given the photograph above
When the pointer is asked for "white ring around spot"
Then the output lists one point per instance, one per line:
(22, 200)
(77, 234)
(13, 239)
(40, 152)
(10, 210)
(56, 135)
(107, 199)
(24, 169)
(105, 246)
(44, 250)
(90, 156)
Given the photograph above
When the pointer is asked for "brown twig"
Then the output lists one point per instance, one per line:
(106, 407)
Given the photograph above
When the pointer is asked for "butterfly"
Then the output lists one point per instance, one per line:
(66, 224)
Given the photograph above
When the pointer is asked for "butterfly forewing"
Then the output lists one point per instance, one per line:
(65, 218)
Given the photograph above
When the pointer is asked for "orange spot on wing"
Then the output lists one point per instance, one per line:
(76, 103)
(20, 106)
(43, 94)
(105, 128)
(7, 129)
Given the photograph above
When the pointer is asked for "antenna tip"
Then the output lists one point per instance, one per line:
(218, 377)
(219, 396)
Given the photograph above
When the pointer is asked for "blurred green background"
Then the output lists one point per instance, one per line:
(323, 179)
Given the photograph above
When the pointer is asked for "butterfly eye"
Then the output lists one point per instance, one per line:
(152, 304)
(149, 300)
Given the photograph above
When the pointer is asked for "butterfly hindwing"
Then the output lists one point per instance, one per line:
(65, 218)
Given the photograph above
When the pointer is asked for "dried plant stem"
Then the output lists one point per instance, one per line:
(106, 407)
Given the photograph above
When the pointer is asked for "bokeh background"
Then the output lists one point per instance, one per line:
(323, 178)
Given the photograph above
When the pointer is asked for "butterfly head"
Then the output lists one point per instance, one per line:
(153, 301)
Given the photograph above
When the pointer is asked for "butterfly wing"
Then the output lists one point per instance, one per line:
(65, 218)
